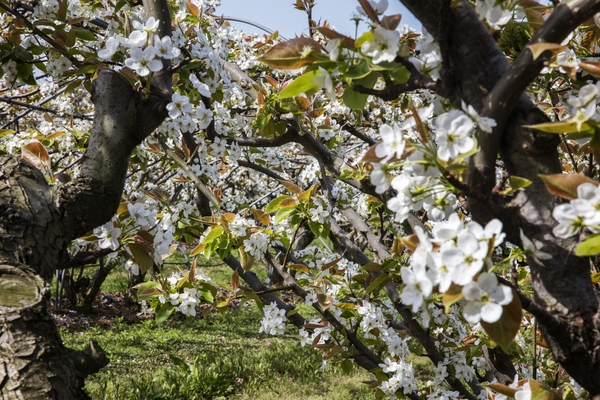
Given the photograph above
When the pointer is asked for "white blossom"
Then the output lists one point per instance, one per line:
(383, 47)
(485, 299)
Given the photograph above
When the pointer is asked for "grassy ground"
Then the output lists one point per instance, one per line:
(221, 356)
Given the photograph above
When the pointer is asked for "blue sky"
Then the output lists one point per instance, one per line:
(282, 16)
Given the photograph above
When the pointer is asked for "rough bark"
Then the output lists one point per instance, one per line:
(37, 222)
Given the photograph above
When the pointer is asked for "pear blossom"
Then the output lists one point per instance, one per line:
(392, 144)
(165, 49)
(133, 267)
(418, 286)
(380, 179)
(142, 61)
(139, 36)
(383, 47)
(485, 124)
(494, 14)
(485, 299)
(273, 322)
(323, 80)
(567, 58)
(318, 214)
(179, 105)
(110, 48)
(452, 136)
(108, 236)
(532, 248)
(202, 88)
(466, 258)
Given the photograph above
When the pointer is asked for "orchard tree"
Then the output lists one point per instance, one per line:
(430, 193)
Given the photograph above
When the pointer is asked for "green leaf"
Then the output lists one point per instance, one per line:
(148, 290)
(516, 183)
(347, 366)
(358, 70)
(302, 84)
(275, 204)
(354, 100)
(84, 34)
(541, 391)
(292, 54)
(565, 185)
(24, 71)
(214, 233)
(283, 213)
(378, 283)
(400, 75)
(6, 132)
(589, 247)
(141, 257)
(164, 312)
(560, 127)
(506, 328)
(208, 291)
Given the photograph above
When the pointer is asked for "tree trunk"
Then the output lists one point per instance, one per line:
(37, 223)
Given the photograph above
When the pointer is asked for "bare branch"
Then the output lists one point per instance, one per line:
(40, 108)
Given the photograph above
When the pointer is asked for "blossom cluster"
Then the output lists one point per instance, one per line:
(273, 322)
(462, 253)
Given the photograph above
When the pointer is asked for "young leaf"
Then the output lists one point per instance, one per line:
(302, 84)
(452, 295)
(378, 283)
(538, 48)
(35, 153)
(506, 328)
(589, 247)
(560, 127)
(298, 267)
(331, 34)
(261, 216)
(292, 187)
(565, 185)
(214, 233)
(541, 391)
(292, 54)
(275, 204)
(141, 257)
(164, 312)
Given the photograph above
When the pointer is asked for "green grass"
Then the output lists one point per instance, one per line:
(220, 356)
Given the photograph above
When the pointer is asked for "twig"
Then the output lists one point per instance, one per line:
(40, 108)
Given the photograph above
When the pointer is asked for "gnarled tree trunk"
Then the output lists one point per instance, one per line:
(37, 222)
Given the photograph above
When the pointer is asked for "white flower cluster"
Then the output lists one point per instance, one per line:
(142, 53)
(579, 213)
(585, 106)
(273, 322)
(256, 245)
(462, 253)
(185, 302)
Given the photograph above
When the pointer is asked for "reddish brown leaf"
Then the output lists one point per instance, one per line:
(506, 328)
(331, 34)
(369, 10)
(35, 153)
(391, 22)
(565, 185)
(292, 54)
